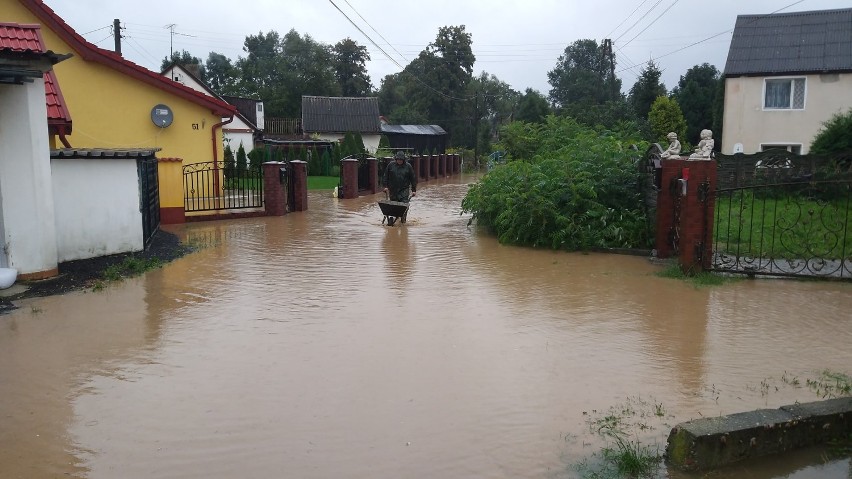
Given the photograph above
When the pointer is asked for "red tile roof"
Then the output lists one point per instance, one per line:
(57, 109)
(20, 38)
(23, 38)
(90, 52)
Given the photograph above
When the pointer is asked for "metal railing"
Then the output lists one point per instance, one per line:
(211, 186)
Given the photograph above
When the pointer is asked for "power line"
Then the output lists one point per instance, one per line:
(609, 35)
(717, 35)
(653, 22)
(637, 21)
(377, 33)
(416, 78)
(95, 30)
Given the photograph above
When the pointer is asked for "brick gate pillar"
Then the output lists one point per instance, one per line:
(697, 214)
(374, 174)
(349, 178)
(424, 167)
(691, 232)
(415, 163)
(299, 170)
(274, 192)
(670, 173)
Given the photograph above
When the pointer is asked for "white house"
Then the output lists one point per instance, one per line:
(245, 127)
(786, 74)
(330, 118)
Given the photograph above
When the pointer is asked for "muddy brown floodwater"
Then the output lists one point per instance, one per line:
(322, 344)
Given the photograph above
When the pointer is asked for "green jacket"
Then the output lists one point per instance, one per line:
(398, 178)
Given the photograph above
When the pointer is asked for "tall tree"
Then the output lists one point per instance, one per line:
(350, 68)
(583, 74)
(185, 59)
(645, 91)
(260, 70)
(532, 107)
(222, 76)
(433, 87)
(279, 70)
(695, 93)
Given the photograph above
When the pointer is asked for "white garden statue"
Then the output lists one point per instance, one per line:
(673, 151)
(705, 147)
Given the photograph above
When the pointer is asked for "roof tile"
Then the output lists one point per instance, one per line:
(786, 43)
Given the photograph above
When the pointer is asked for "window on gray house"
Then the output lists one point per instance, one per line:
(785, 94)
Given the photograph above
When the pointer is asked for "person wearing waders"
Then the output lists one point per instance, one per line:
(399, 178)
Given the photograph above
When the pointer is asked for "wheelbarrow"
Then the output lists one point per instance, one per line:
(393, 210)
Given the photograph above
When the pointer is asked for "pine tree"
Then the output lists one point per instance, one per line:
(229, 162)
(242, 161)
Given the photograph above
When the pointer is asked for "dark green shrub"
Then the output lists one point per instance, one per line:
(576, 189)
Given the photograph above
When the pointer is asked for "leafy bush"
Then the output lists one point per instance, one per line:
(835, 136)
(575, 188)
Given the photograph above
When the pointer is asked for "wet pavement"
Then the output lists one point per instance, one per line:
(323, 344)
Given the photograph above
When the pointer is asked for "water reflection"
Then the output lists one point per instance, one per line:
(399, 255)
(323, 344)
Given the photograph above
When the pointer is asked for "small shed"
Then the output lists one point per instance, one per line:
(417, 138)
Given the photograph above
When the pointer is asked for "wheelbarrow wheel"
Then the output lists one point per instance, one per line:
(391, 220)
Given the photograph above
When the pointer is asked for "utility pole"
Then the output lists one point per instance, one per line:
(607, 46)
(116, 33)
(476, 129)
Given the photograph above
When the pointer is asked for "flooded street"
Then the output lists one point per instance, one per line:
(323, 344)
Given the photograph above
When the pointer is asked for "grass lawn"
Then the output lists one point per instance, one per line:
(323, 182)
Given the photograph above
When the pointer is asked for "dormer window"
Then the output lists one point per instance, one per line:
(784, 94)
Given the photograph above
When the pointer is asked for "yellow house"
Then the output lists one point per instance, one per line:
(118, 104)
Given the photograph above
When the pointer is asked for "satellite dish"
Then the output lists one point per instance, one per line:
(162, 115)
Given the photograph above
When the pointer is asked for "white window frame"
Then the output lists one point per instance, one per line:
(792, 93)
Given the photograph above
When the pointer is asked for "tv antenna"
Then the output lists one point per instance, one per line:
(172, 33)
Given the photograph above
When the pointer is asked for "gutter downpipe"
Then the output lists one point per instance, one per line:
(216, 155)
(63, 139)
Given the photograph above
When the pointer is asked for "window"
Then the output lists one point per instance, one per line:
(796, 149)
(260, 107)
(784, 94)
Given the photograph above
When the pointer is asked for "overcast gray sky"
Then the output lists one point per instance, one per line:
(519, 41)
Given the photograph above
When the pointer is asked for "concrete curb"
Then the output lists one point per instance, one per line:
(714, 442)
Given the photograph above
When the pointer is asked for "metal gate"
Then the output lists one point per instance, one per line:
(210, 186)
(782, 214)
(149, 197)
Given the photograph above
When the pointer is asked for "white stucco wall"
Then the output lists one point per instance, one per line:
(29, 234)
(97, 207)
(371, 142)
(237, 131)
(748, 123)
